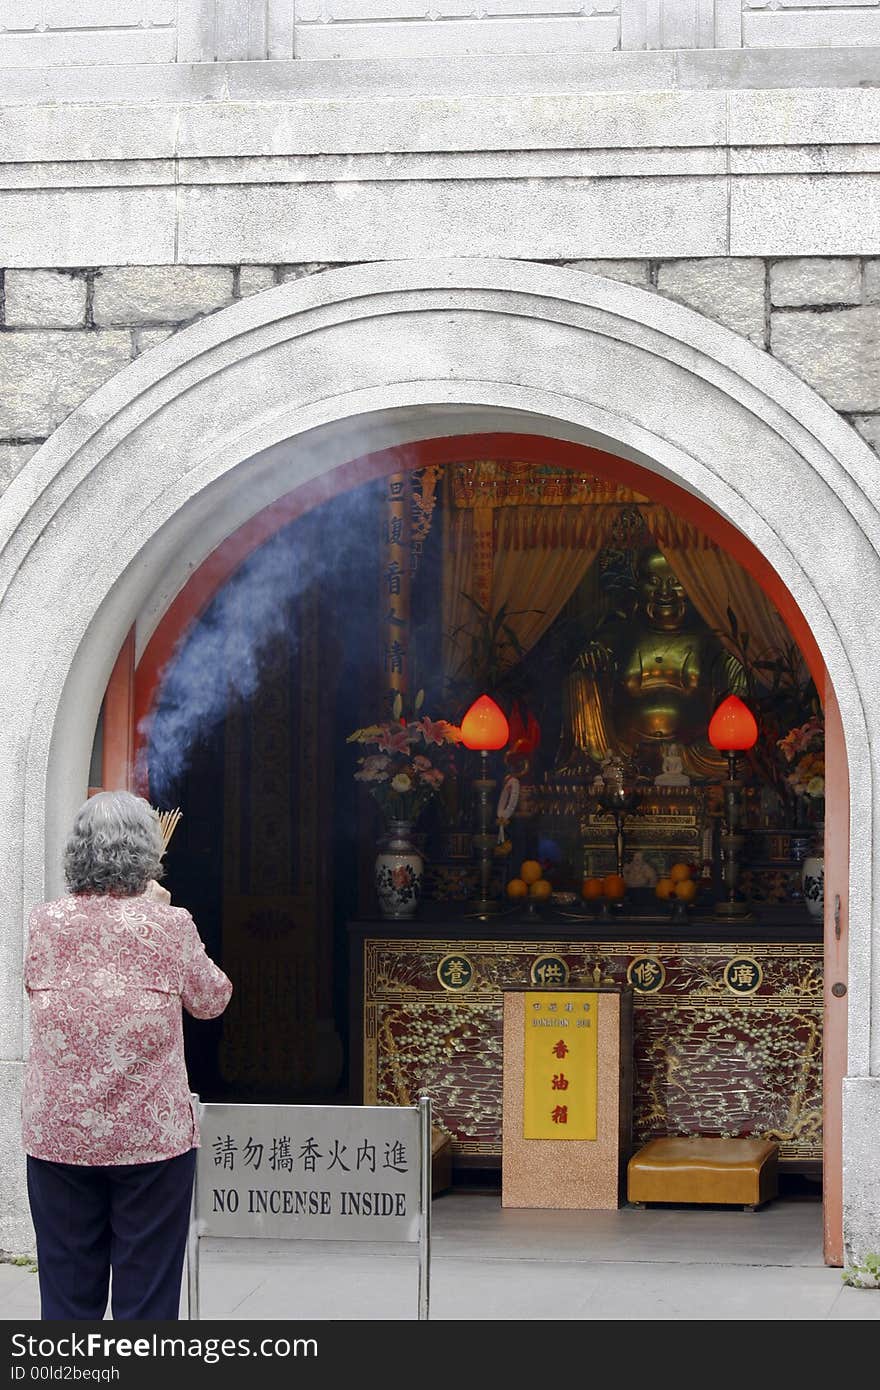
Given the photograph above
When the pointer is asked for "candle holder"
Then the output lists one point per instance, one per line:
(484, 840)
(735, 904)
(619, 803)
(484, 729)
(732, 729)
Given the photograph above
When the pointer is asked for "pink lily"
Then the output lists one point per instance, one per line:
(394, 741)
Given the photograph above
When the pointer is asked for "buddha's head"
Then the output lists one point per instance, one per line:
(662, 597)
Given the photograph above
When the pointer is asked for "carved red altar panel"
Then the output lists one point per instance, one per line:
(727, 1038)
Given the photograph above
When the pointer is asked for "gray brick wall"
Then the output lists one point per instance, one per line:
(63, 333)
(818, 315)
(52, 33)
(40, 33)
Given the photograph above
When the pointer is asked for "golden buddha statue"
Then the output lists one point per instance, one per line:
(655, 679)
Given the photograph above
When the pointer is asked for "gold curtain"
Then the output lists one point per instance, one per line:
(526, 537)
(529, 558)
(544, 577)
(715, 581)
(519, 533)
(458, 579)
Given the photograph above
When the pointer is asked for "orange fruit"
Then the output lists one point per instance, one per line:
(679, 872)
(517, 889)
(664, 888)
(613, 886)
(530, 870)
(686, 890)
(541, 888)
(592, 888)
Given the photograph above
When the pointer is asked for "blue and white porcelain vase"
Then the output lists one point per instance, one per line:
(399, 867)
(813, 876)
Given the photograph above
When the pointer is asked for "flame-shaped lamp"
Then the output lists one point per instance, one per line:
(484, 729)
(732, 730)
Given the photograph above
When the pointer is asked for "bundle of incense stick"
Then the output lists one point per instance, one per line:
(168, 823)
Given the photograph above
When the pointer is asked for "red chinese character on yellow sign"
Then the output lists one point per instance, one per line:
(561, 1065)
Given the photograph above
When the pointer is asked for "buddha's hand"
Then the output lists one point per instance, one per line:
(157, 893)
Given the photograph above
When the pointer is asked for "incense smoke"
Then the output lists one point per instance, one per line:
(219, 660)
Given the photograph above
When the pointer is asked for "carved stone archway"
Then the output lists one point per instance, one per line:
(174, 453)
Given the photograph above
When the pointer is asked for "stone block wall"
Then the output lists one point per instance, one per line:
(417, 28)
(370, 29)
(64, 332)
(800, 24)
(46, 33)
(51, 33)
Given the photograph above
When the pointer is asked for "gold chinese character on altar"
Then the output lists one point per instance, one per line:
(455, 972)
(646, 974)
(743, 975)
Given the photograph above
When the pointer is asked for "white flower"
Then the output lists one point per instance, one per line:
(99, 1123)
(401, 783)
(373, 769)
(109, 983)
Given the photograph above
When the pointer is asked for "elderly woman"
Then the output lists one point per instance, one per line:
(109, 1129)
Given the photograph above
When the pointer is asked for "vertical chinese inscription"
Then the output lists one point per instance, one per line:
(395, 571)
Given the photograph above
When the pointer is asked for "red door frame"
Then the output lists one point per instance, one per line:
(129, 707)
(118, 734)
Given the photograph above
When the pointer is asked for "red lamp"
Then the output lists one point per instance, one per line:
(484, 729)
(732, 730)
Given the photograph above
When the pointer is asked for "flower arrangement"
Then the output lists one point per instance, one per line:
(804, 751)
(402, 774)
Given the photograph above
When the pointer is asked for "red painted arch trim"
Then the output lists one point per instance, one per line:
(222, 563)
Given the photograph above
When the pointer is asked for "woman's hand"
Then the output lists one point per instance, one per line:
(157, 893)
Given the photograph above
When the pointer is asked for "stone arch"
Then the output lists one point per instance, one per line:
(171, 455)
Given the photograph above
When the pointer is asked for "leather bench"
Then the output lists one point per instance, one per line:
(726, 1172)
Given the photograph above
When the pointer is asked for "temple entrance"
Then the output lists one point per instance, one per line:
(543, 582)
(270, 398)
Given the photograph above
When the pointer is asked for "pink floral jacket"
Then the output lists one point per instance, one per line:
(106, 1079)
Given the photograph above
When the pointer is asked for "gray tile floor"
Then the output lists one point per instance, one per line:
(491, 1264)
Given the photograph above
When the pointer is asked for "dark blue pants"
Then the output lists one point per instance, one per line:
(131, 1218)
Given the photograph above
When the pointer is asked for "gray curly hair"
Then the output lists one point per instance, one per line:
(115, 845)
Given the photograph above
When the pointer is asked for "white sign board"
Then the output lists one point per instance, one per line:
(310, 1172)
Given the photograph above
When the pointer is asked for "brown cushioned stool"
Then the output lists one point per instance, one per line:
(729, 1172)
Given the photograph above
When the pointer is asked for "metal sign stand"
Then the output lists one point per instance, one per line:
(192, 1246)
(425, 1213)
(193, 1289)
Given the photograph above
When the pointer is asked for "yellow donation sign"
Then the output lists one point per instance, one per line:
(560, 1074)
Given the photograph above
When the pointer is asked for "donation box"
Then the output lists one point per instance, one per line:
(567, 1097)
